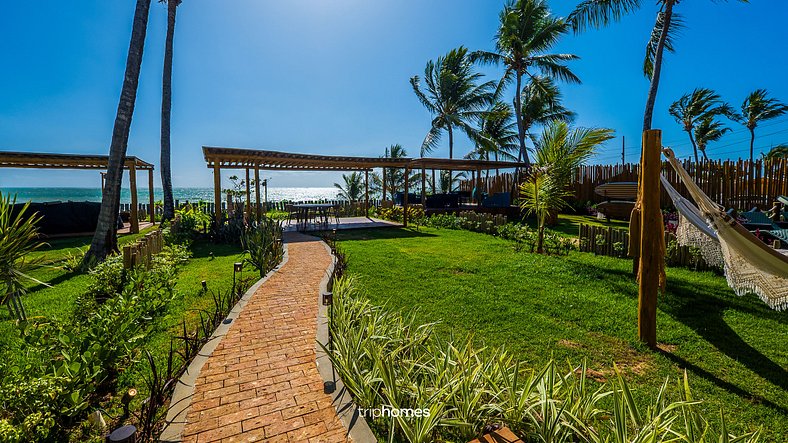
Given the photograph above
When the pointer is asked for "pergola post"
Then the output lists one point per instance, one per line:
(257, 192)
(135, 221)
(434, 184)
(217, 193)
(423, 187)
(405, 199)
(651, 229)
(366, 193)
(479, 187)
(473, 186)
(152, 208)
(248, 198)
(384, 184)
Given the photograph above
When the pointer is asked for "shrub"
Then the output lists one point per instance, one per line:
(263, 244)
(388, 360)
(415, 214)
(527, 238)
(443, 221)
(188, 223)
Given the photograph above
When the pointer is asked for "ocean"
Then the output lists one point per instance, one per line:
(40, 195)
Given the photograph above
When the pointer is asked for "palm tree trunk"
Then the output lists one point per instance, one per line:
(703, 151)
(752, 153)
(105, 239)
(694, 146)
(166, 111)
(654, 86)
(451, 151)
(518, 109)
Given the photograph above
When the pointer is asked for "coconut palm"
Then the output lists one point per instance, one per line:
(166, 111)
(758, 107)
(559, 150)
(700, 104)
(527, 33)
(708, 130)
(600, 13)
(541, 100)
(395, 177)
(105, 239)
(352, 189)
(779, 151)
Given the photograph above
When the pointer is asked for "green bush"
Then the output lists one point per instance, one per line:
(394, 213)
(189, 222)
(526, 238)
(443, 221)
(262, 242)
(387, 360)
(80, 359)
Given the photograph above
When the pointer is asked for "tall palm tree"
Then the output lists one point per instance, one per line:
(452, 96)
(166, 111)
(395, 177)
(600, 13)
(527, 33)
(541, 104)
(779, 151)
(708, 130)
(105, 239)
(758, 107)
(559, 151)
(352, 189)
(498, 135)
(700, 104)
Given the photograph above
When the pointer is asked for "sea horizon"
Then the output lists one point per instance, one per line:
(42, 194)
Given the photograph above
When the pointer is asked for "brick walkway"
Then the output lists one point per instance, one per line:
(261, 383)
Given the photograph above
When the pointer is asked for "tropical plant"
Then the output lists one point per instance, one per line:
(559, 151)
(395, 177)
(263, 244)
(698, 105)
(352, 189)
(166, 111)
(779, 151)
(708, 130)
(498, 135)
(526, 33)
(105, 239)
(18, 239)
(758, 107)
(541, 101)
(600, 13)
(452, 94)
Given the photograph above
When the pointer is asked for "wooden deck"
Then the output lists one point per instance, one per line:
(344, 224)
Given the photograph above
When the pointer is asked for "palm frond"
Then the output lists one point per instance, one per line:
(600, 13)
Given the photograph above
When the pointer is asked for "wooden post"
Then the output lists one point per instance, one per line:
(423, 187)
(651, 235)
(257, 192)
(152, 208)
(135, 221)
(479, 187)
(473, 186)
(384, 184)
(366, 193)
(217, 193)
(405, 199)
(248, 198)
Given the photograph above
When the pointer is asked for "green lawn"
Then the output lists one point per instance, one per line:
(584, 306)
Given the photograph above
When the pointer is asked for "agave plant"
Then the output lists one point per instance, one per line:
(18, 239)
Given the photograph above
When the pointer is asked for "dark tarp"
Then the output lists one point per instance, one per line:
(64, 217)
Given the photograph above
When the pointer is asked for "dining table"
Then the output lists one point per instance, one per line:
(312, 211)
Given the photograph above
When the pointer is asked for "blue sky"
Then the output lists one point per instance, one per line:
(332, 77)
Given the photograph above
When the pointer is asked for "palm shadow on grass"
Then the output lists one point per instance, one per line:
(702, 310)
(381, 234)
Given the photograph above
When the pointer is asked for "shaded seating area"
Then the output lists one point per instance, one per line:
(620, 199)
(77, 217)
(254, 160)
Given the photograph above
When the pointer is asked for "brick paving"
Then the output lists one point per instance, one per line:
(261, 383)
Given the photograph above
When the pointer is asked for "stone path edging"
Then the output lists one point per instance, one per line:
(182, 396)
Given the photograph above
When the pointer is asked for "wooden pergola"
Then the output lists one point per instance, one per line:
(219, 158)
(37, 160)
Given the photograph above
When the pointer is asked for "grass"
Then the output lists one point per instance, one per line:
(585, 307)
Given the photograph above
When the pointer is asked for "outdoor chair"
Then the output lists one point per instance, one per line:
(292, 212)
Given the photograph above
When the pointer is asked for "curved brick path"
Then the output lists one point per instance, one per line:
(261, 383)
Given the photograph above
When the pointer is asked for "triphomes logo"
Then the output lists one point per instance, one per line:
(388, 411)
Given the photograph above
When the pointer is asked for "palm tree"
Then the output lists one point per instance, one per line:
(527, 32)
(105, 239)
(700, 104)
(559, 150)
(600, 13)
(166, 111)
(498, 134)
(352, 189)
(757, 107)
(541, 100)
(779, 151)
(708, 130)
(395, 178)
(452, 96)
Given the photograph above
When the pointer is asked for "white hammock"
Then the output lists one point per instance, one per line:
(750, 265)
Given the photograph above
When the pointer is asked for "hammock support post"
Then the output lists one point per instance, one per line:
(651, 229)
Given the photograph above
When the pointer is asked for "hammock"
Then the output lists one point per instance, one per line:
(750, 265)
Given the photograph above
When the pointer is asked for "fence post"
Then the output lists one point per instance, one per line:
(651, 237)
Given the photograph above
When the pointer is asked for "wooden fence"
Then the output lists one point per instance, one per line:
(612, 242)
(142, 251)
(730, 183)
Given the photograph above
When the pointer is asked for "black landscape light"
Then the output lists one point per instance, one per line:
(328, 298)
(238, 268)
